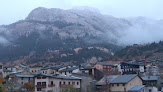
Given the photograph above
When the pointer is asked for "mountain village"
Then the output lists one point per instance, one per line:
(130, 76)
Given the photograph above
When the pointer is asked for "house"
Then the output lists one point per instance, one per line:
(68, 71)
(150, 80)
(24, 78)
(122, 83)
(137, 88)
(53, 69)
(132, 68)
(53, 83)
(35, 68)
(103, 66)
(6, 72)
(104, 82)
(86, 80)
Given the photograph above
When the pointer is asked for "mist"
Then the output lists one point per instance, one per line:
(142, 31)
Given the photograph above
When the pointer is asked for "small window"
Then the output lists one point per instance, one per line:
(117, 84)
(77, 83)
(38, 83)
(123, 84)
(150, 90)
(43, 83)
(22, 78)
(60, 83)
(45, 72)
(38, 77)
(35, 70)
(38, 89)
(51, 82)
(112, 85)
(22, 83)
(42, 71)
(64, 83)
(68, 83)
(32, 71)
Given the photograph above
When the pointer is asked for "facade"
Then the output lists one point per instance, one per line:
(103, 66)
(68, 71)
(52, 69)
(132, 68)
(51, 83)
(122, 83)
(150, 80)
(35, 69)
(22, 79)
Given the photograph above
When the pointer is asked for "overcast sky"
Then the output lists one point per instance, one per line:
(14, 10)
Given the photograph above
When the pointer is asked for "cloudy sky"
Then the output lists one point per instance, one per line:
(14, 10)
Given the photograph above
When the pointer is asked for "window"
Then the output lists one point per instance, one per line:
(38, 77)
(35, 70)
(112, 85)
(64, 83)
(43, 83)
(68, 83)
(22, 83)
(51, 82)
(150, 90)
(32, 71)
(38, 83)
(22, 78)
(42, 71)
(45, 72)
(117, 84)
(38, 89)
(123, 84)
(77, 83)
(60, 83)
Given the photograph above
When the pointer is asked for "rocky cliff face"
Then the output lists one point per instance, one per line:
(54, 34)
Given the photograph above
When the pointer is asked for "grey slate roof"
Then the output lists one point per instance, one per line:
(69, 69)
(59, 77)
(136, 88)
(23, 75)
(106, 79)
(103, 63)
(124, 78)
(150, 78)
(54, 67)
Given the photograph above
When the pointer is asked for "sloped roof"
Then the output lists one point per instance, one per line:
(106, 79)
(104, 63)
(23, 75)
(124, 78)
(136, 88)
(54, 67)
(69, 69)
(150, 78)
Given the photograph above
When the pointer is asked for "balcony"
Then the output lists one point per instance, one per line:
(51, 85)
(41, 86)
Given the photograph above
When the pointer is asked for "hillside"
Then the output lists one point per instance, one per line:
(146, 51)
(69, 36)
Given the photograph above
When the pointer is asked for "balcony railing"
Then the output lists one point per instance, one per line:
(41, 86)
(51, 85)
